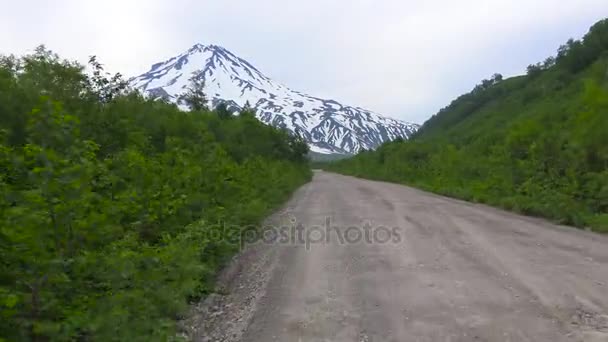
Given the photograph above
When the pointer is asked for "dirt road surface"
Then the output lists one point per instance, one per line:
(450, 271)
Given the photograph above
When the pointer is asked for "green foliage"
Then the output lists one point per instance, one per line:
(108, 200)
(576, 55)
(536, 144)
(195, 97)
(223, 112)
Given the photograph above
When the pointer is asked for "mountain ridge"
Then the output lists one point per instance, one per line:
(327, 125)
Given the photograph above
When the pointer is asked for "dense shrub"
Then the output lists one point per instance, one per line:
(107, 199)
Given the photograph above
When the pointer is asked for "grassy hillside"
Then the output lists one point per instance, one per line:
(536, 144)
(108, 200)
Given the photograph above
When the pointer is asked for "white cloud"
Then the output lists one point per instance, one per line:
(402, 58)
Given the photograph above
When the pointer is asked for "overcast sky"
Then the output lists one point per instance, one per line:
(405, 59)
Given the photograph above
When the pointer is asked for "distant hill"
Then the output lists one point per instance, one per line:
(326, 157)
(537, 144)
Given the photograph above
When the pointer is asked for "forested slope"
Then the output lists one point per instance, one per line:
(536, 144)
(107, 200)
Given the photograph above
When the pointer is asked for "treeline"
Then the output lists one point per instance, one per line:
(106, 200)
(536, 144)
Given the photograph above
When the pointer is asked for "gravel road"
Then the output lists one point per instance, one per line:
(357, 260)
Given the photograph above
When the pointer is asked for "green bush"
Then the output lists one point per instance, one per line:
(108, 199)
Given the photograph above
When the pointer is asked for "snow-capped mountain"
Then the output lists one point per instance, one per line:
(328, 126)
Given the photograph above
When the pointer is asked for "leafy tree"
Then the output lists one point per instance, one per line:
(247, 110)
(534, 70)
(549, 62)
(195, 97)
(102, 86)
(496, 78)
(222, 111)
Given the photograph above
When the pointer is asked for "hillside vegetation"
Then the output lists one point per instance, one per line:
(536, 144)
(107, 200)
